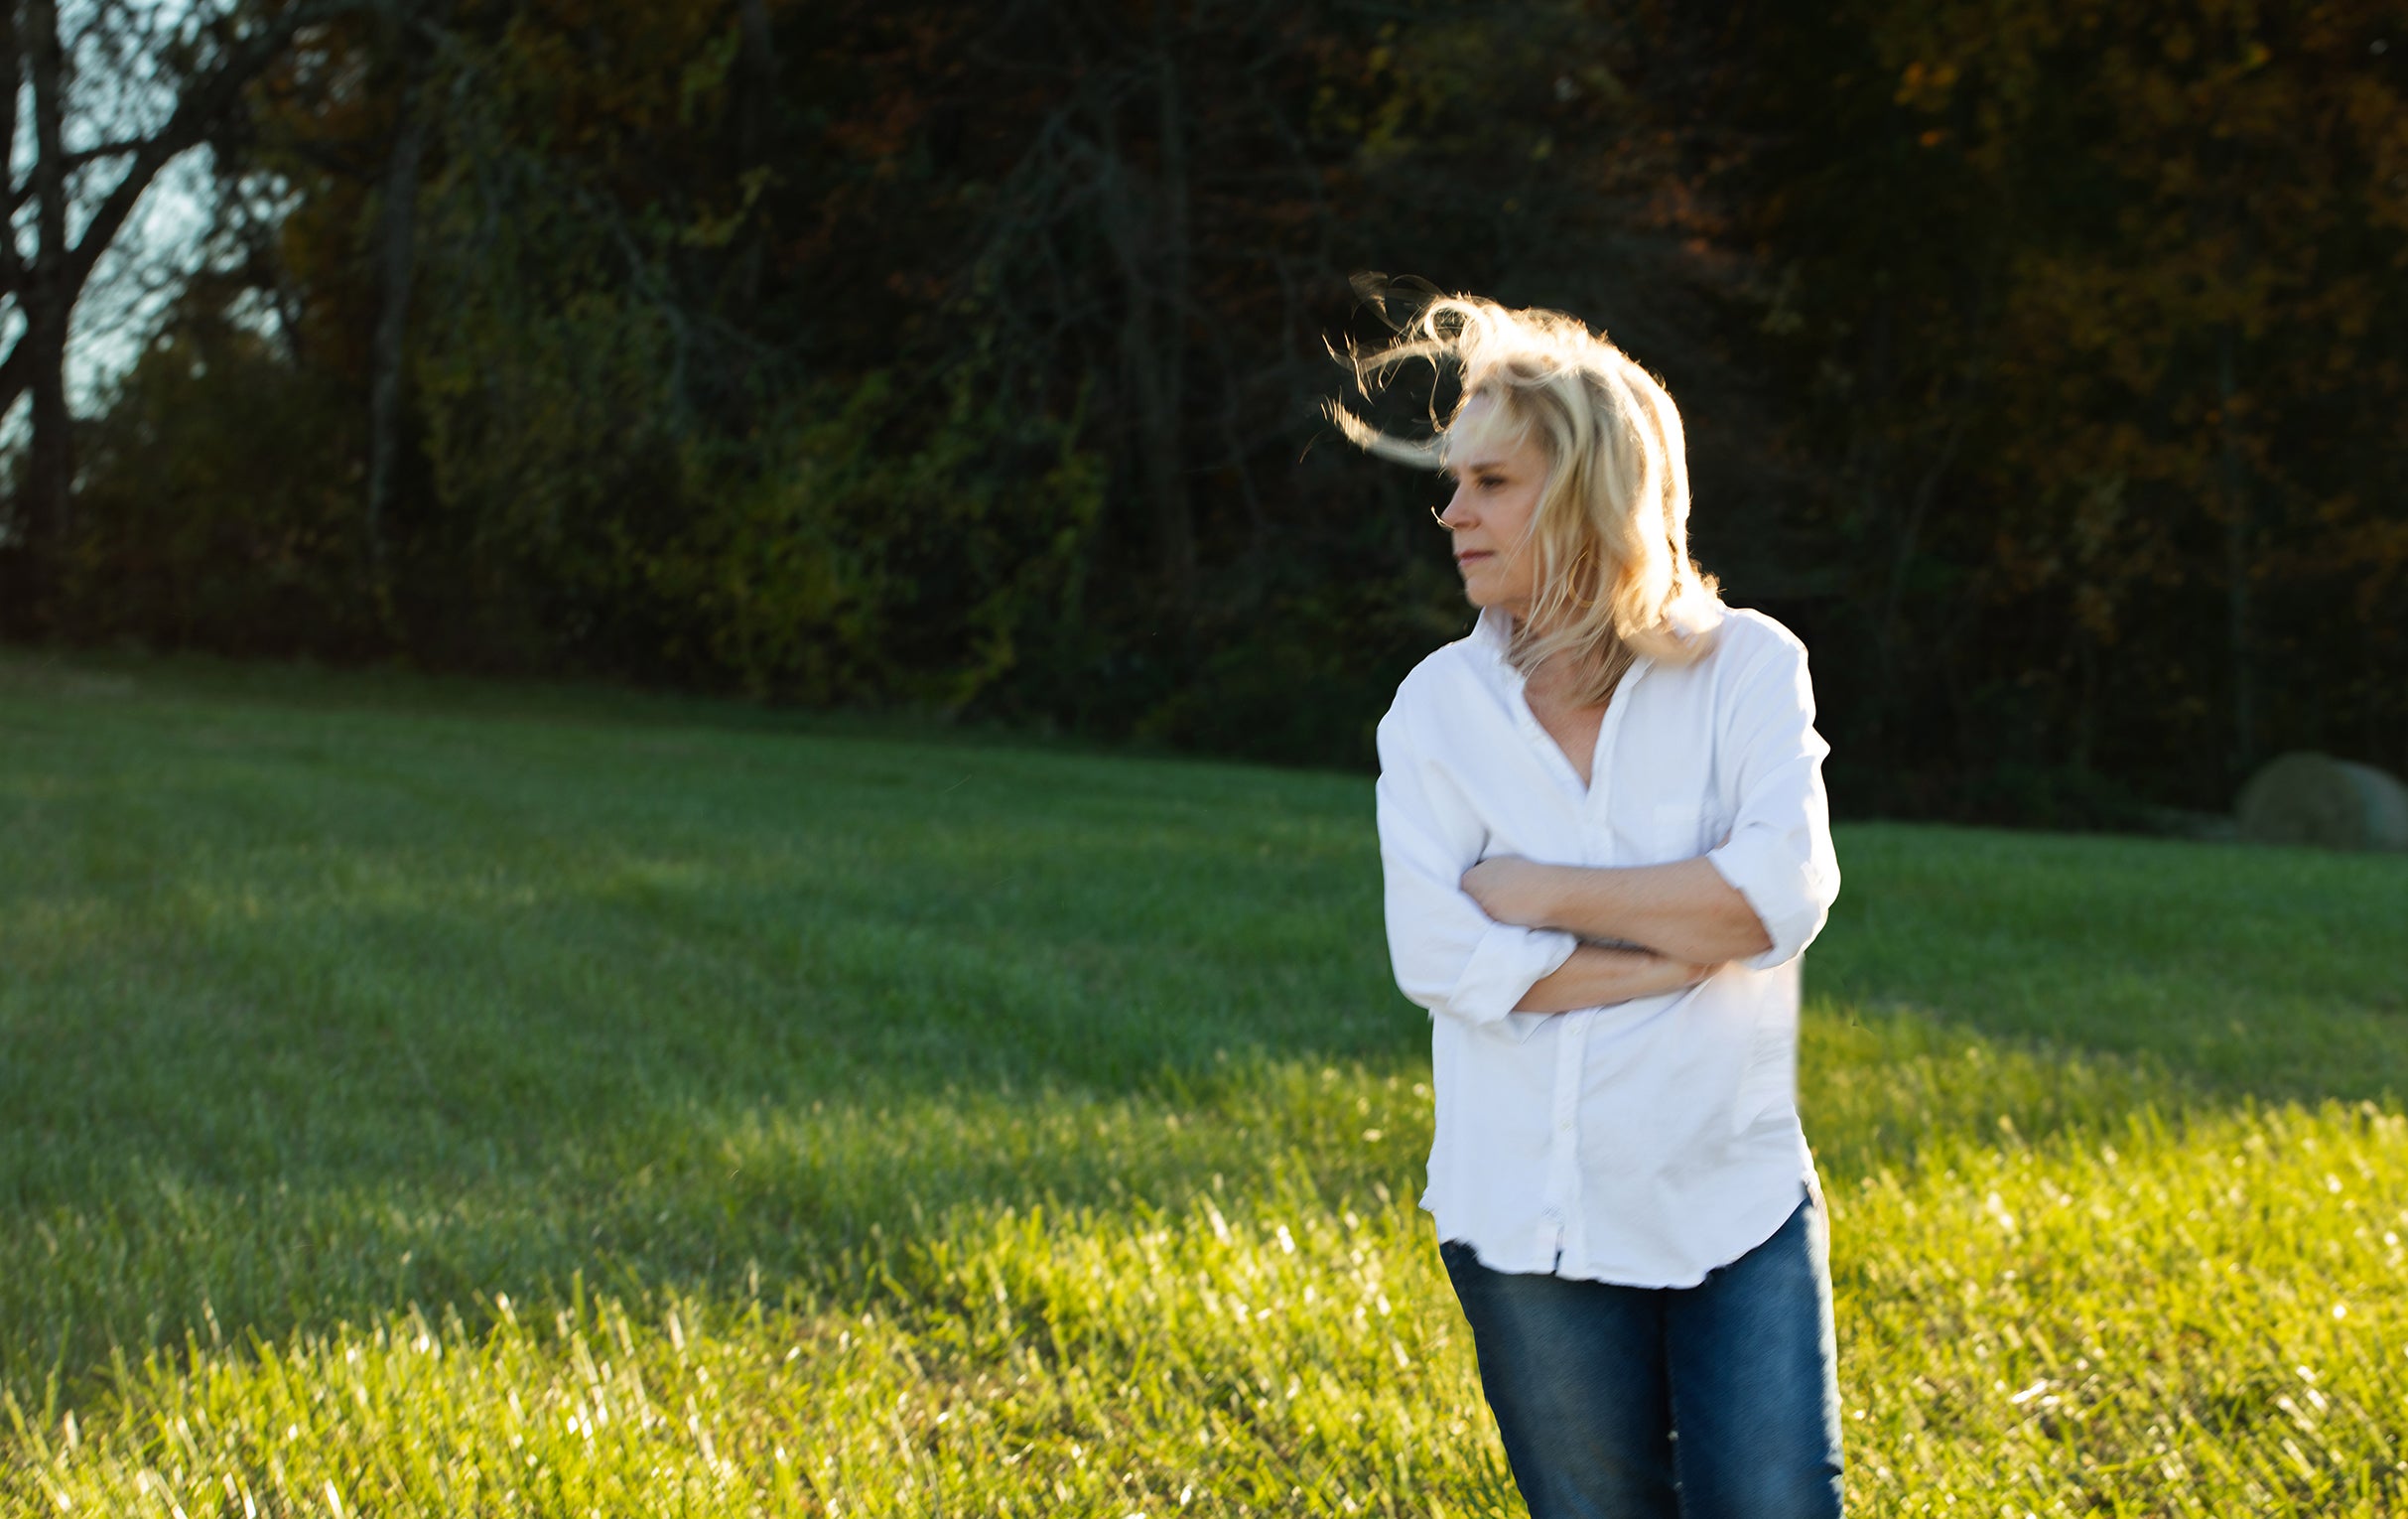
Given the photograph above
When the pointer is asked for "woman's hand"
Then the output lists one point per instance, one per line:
(1514, 891)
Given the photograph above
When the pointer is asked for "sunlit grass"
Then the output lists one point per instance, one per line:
(417, 1106)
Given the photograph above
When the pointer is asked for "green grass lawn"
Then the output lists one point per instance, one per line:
(449, 1099)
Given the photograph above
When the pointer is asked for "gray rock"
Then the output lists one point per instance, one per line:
(2327, 804)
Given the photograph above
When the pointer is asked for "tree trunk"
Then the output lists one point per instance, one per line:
(47, 287)
(396, 252)
(1166, 440)
(757, 99)
(47, 299)
(12, 85)
(2240, 613)
(756, 63)
(1145, 222)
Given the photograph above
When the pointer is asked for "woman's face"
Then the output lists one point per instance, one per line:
(1497, 480)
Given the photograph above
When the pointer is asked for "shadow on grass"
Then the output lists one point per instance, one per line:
(313, 1012)
(2238, 971)
(101, 677)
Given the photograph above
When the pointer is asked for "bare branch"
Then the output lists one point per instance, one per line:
(200, 104)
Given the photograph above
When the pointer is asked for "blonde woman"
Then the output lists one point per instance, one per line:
(1605, 842)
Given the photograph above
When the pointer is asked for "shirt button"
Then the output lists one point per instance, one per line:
(1563, 1125)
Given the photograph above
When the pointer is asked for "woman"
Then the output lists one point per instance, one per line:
(1605, 840)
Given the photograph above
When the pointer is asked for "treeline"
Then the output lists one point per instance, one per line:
(2044, 361)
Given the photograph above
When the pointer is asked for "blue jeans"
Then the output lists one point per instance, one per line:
(1591, 1382)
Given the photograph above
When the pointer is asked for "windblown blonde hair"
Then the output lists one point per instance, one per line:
(1611, 531)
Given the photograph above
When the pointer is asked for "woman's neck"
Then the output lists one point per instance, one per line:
(1575, 679)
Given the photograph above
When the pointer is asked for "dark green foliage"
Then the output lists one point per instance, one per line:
(2092, 313)
(220, 500)
(878, 552)
(2042, 363)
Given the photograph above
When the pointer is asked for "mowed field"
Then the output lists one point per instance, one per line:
(421, 1098)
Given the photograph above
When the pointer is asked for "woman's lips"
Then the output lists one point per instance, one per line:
(1465, 557)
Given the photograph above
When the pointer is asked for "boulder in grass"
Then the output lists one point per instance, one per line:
(2328, 803)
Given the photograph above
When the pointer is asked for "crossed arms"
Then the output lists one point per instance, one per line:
(1690, 918)
(1511, 935)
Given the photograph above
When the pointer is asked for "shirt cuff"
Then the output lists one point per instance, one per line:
(1504, 966)
(1771, 878)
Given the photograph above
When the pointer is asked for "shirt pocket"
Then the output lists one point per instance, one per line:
(1685, 830)
(1672, 829)
(1680, 831)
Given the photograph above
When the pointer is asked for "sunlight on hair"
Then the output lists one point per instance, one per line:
(1611, 531)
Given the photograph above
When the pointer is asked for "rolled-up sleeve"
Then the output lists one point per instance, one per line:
(1778, 854)
(1449, 955)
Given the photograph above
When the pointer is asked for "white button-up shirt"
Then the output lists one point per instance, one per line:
(1644, 1142)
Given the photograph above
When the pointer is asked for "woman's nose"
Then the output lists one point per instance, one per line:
(1457, 515)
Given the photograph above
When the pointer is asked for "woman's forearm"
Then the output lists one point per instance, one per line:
(1685, 910)
(1596, 975)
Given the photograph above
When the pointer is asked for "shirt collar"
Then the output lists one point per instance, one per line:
(1493, 635)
